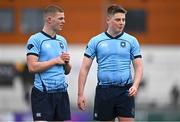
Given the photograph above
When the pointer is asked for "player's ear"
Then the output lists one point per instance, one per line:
(49, 19)
(108, 19)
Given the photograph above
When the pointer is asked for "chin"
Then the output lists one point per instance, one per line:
(59, 30)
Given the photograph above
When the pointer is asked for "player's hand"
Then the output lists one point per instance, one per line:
(65, 57)
(59, 60)
(81, 103)
(132, 91)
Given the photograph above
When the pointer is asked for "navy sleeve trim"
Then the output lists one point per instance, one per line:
(138, 56)
(33, 54)
(87, 55)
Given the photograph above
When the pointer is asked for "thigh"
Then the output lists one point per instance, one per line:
(103, 105)
(63, 107)
(41, 107)
(126, 119)
(125, 106)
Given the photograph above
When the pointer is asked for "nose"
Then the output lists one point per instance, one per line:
(63, 21)
(121, 21)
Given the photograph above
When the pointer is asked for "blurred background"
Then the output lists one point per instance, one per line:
(155, 23)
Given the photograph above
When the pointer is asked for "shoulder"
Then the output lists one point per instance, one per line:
(37, 37)
(128, 36)
(131, 39)
(98, 37)
(33, 36)
(60, 38)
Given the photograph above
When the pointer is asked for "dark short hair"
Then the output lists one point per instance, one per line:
(51, 9)
(113, 9)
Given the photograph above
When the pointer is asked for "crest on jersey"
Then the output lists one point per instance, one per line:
(61, 45)
(123, 44)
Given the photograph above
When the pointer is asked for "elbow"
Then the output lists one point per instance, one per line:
(67, 69)
(31, 70)
(67, 72)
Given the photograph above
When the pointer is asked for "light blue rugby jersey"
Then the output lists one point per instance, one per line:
(46, 48)
(114, 56)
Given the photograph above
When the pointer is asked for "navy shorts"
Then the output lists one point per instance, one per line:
(113, 101)
(50, 106)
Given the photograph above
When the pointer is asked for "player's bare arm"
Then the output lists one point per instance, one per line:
(138, 72)
(35, 66)
(84, 70)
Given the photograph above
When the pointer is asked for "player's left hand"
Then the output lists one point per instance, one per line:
(133, 91)
(65, 57)
(81, 103)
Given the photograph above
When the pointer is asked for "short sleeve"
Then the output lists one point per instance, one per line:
(135, 49)
(90, 51)
(32, 47)
(66, 45)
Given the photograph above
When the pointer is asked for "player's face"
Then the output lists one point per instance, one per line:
(58, 21)
(116, 22)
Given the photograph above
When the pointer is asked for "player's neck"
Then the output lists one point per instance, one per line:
(112, 33)
(49, 31)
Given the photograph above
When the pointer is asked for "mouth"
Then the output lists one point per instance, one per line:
(61, 26)
(121, 27)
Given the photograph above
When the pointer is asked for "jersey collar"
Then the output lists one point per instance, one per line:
(116, 37)
(48, 35)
